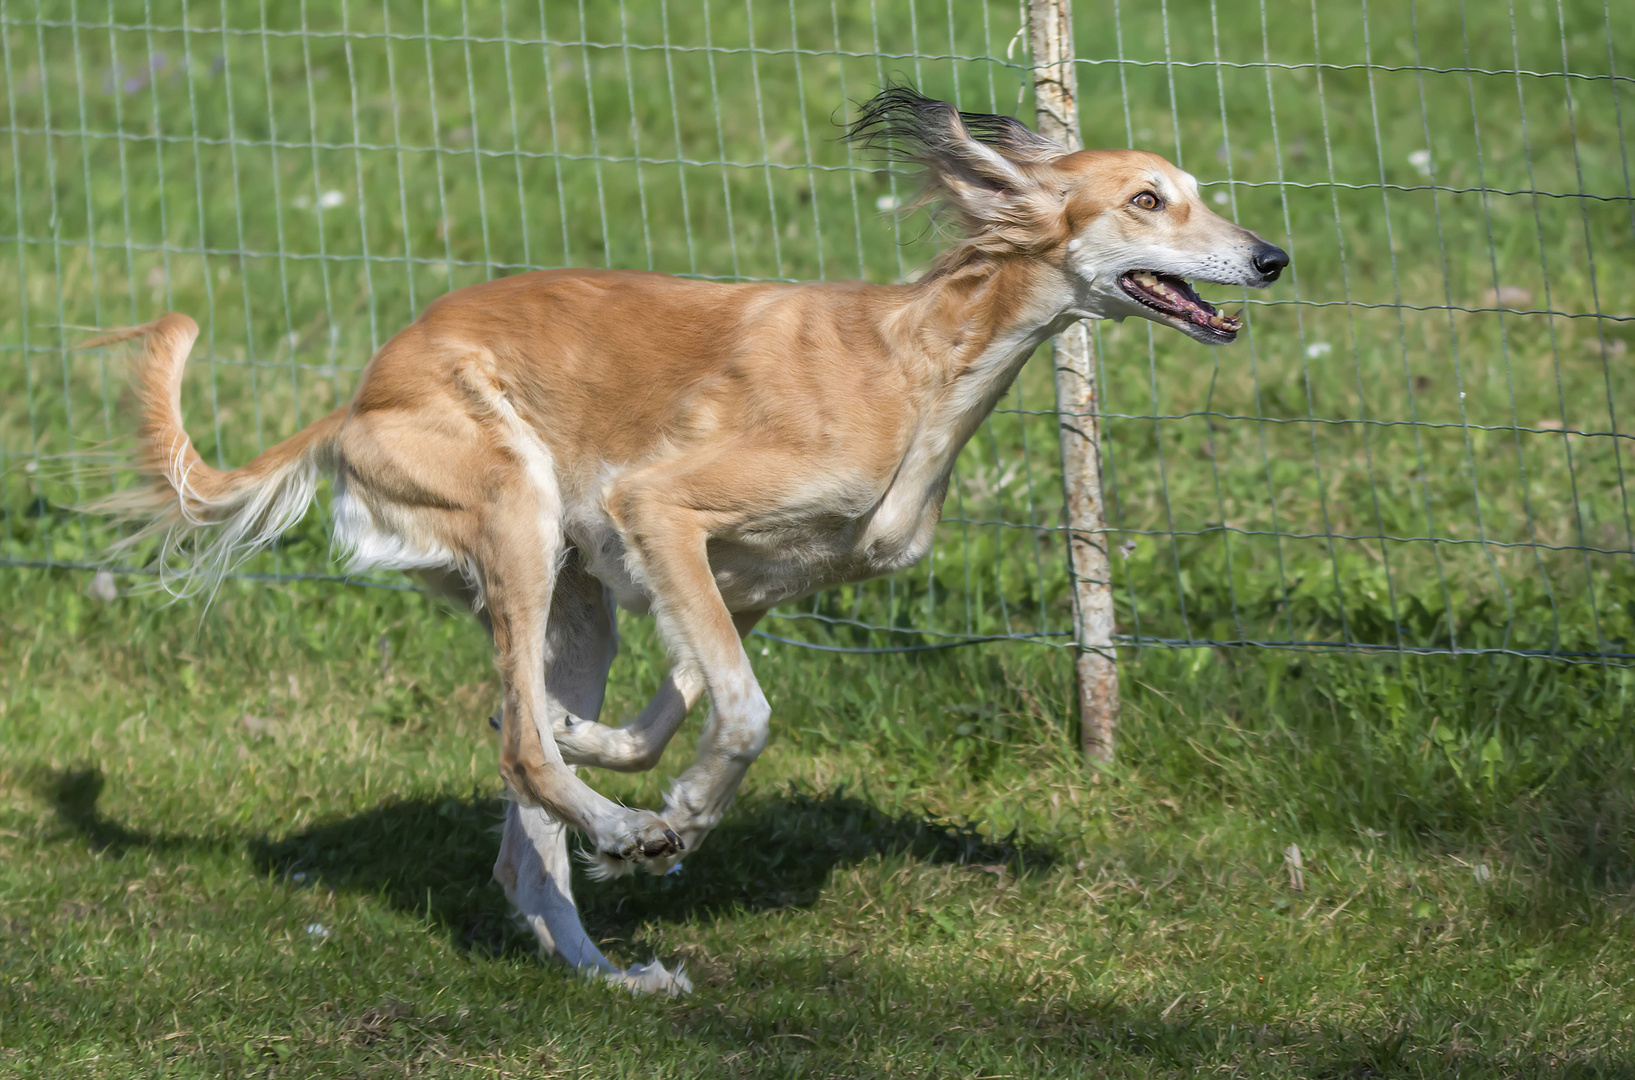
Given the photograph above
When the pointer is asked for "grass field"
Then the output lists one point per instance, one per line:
(258, 843)
(263, 847)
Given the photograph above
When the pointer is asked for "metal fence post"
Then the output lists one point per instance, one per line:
(1055, 90)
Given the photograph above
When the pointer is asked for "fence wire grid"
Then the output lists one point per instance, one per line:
(1415, 447)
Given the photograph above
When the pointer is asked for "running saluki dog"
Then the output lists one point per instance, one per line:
(556, 444)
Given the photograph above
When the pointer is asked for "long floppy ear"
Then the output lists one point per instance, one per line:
(980, 166)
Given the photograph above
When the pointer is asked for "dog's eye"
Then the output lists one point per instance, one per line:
(1147, 201)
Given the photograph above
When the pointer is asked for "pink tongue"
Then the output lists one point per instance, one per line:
(1195, 312)
(1174, 295)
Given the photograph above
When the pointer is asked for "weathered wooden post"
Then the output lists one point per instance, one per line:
(1055, 90)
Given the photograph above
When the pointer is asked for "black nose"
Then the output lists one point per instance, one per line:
(1270, 260)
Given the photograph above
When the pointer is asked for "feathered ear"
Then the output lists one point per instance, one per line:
(978, 165)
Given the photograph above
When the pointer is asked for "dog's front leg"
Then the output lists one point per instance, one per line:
(671, 539)
(700, 796)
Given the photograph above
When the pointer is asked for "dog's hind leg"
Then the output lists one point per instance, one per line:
(534, 866)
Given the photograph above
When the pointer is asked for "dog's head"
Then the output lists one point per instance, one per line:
(1138, 232)
(1126, 226)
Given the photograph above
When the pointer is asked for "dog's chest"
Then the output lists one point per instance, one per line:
(759, 568)
(766, 564)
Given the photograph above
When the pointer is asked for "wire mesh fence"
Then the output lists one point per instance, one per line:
(1420, 446)
(1415, 446)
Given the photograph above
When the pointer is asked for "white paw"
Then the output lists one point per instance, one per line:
(646, 843)
(652, 978)
(690, 826)
(600, 866)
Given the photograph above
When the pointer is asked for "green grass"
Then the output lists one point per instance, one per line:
(920, 878)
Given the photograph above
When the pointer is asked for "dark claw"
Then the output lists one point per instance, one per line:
(680, 845)
(659, 847)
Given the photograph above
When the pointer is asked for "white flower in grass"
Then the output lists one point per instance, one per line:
(1421, 161)
(887, 203)
(1318, 349)
(1221, 198)
(330, 199)
(317, 931)
(103, 587)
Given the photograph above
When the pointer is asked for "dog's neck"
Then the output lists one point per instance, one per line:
(977, 321)
(972, 325)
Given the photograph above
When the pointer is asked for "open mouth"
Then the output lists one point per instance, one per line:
(1175, 298)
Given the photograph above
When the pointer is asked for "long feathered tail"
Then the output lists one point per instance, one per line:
(223, 517)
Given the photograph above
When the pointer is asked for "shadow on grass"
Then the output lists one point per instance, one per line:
(73, 794)
(434, 856)
(778, 851)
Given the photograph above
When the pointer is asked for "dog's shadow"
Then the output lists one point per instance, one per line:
(432, 857)
(778, 851)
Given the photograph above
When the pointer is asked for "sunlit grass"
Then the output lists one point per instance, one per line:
(263, 844)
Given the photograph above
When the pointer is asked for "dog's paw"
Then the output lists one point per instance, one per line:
(585, 742)
(691, 826)
(644, 843)
(652, 978)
